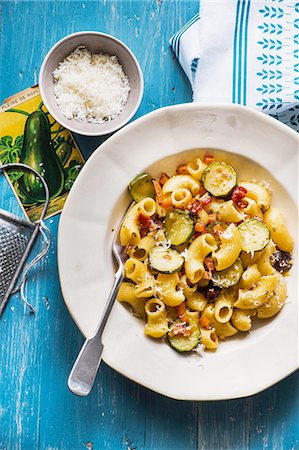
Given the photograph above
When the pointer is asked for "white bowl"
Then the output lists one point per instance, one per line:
(259, 147)
(96, 43)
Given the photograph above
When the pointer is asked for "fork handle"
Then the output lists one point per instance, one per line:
(85, 368)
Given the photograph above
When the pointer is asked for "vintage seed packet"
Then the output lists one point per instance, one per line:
(30, 135)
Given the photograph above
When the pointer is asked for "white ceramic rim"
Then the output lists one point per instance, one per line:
(61, 120)
(191, 106)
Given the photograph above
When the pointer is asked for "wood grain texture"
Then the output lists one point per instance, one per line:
(36, 409)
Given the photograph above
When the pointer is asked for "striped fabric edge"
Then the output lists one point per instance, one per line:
(239, 78)
(175, 39)
(194, 66)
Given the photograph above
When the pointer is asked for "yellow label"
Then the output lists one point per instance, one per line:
(30, 135)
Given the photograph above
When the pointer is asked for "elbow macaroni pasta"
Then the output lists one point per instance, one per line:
(198, 250)
(181, 181)
(229, 250)
(178, 300)
(252, 209)
(227, 212)
(258, 193)
(275, 300)
(264, 261)
(157, 325)
(167, 289)
(130, 231)
(250, 299)
(279, 232)
(128, 295)
(250, 277)
(241, 318)
(196, 168)
(180, 197)
(140, 251)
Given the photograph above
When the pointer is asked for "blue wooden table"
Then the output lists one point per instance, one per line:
(37, 351)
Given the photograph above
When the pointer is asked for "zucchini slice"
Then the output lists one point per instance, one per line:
(183, 343)
(178, 227)
(165, 260)
(228, 277)
(219, 179)
(141, 187)
(254, 235)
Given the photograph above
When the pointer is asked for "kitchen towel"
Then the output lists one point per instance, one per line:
(245, 52)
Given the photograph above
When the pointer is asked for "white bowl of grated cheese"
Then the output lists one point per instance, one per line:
(91, 83)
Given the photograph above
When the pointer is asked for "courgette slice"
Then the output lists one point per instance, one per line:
(254, 235)
(165, 260)
(141, 187)
(184, 343)
(219, 179)
(178, 227)
(228, 277)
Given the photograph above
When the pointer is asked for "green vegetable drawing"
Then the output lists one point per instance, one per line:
(71, 174)
(63, 151)
(10, 152)
(46, 147)
(38, 153)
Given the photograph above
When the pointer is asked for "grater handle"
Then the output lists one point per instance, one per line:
(38, 175)
(85, 368)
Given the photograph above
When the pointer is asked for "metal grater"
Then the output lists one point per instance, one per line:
(17, 237)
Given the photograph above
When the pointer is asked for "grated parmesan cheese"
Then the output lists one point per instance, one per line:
(165, 244)
(200, 350)
(227, 234)
(90, 87)
(185, 254)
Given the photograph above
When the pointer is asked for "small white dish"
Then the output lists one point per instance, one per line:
(97, 43)
(258, 147)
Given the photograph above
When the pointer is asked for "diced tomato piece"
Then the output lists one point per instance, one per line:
(164, 177)
(209, 264)
(185, 318)
(205, 200)
(143, 232)
(196, 207)
(237, 197)
(158, 191)
(155, 225)
(182, 169)
(242, 204)
(144, 221)
(200, 227)
(204, 322)
(181, 309)
(207, 275)
(202, 190)
(166, 202)
(212, 217)
(217, 229)
(180, 328)
(208, 159)
(240, 190)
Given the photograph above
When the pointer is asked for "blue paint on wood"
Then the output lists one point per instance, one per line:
(36, 409)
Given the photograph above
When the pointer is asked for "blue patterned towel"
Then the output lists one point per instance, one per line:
(246, 52)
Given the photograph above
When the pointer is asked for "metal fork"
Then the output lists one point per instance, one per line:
(85, 368)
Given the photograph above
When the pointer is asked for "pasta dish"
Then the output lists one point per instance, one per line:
(205, 254)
